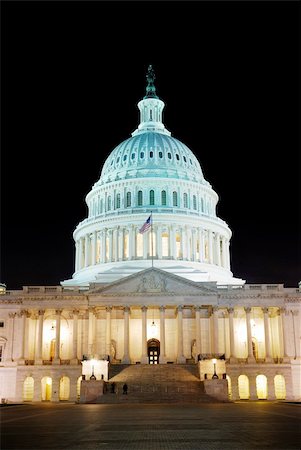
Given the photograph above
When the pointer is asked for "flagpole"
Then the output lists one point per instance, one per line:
(152, 238)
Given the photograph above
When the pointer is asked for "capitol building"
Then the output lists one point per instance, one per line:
(152, 286)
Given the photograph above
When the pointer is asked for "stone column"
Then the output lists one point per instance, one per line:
(108, 330)
(103, 246)
(74, 359)
(194, 239)
(81, 253)
(296, 321)
(76, 256)
(163, 358)
(121, 244)
(172, 242)
(218, 249)
(188, 241)
(144, 356)
(252, 386)
(87, 238)
(234, 387)
(227, 245)
(23, 315)
(233, 358)
(110, 245)
(115, 245)
(198, 331)
(210, 247)
(268, 355)
(131, 242)
(56, 359)
(39, 353)
(91, 333)
(224, 258)
(249, 335)
(37, 393)
(126, 355)
(284, 333)
(94, 241)
(180, 358)
(271, 388)
(215, 329)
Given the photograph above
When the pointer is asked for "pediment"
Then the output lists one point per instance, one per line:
(154, 281)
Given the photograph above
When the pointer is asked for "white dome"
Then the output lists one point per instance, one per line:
(152, 174)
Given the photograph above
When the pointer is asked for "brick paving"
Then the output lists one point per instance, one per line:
(236, 426)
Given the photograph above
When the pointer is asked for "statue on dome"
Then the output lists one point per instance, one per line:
(150, 88)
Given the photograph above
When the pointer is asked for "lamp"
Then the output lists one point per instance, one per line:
(92, 377)
(214, 376)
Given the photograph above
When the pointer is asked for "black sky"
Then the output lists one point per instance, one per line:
(72, 74)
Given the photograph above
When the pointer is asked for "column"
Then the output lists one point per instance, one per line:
(87, 250)
(108, 330)
(163, 358)
(183, 244)
(145, 245)
(252, 386)
(215, 329)
(23, 315)
(110, 245)
(144, 356)
(121, 244)
(131, 239)
(249, 336)
(115, 244)
(233, 358)
(193, 237)
(94, 241)
(103, 246)
(180, 358)
(56, 359)
(172, 243)
(74, 359)
(224, 259)
(91, 333)
(81, 253)
(76, 256)
(188, 246)
(268, 355)
(39, 353)
(126, 355)
(198, 331)
(227, 245)
(218, 249)
(284, 332)
(210, 247)
(271, 387)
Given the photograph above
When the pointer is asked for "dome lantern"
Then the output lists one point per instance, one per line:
(151, 108)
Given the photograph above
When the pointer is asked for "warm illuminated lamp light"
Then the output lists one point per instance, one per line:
(214, 376)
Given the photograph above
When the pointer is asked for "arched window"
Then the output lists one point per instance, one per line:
(175, 198)
(152, 197)
(194, 202)
(109, 203)
(279, 383)
(243, 387)
(261, 387)
(28, 389)
(163, 198)
(140, 198)
(185, 200)
(64, 391)
(118, 201)
(160, 154)
(128, 199)
(46, 388)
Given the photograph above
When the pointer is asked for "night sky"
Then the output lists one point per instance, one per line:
(72, 75)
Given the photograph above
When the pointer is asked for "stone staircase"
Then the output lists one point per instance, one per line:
(160, 383)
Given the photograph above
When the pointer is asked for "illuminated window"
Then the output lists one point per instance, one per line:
(279, 383)
(64, 390)
(46, 388)
(152, 244)
(118, 201)
(139, 245)
(243, 387)
(28, 389)
(261, 387)
(165, 245)
(185, 200)
(109, 203)
(128, 199)
(194, 202)
(175, 198)
(118, 159)
(178, 246)
(126, 245)
(163, 198)
(151, 197)
(140, 198)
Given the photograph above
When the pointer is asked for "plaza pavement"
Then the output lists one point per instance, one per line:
(235, 426)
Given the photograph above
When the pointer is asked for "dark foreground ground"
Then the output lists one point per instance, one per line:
(258, 425)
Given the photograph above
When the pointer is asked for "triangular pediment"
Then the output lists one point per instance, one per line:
(153, 281)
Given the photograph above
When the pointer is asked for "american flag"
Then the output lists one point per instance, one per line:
(147, 224)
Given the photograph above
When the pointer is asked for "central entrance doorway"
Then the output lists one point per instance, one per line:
(153, 350)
